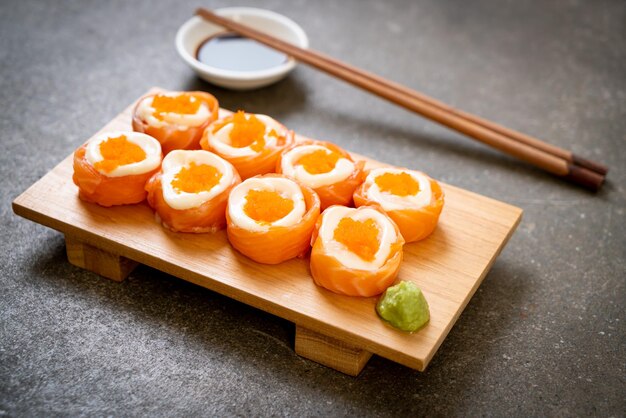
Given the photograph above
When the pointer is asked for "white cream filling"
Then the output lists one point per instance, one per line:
(180, 121)
(342, 170)
(149, 145)
(288, 189)
(179, 159)
(221, 143)
(390, 201)
(386, 236)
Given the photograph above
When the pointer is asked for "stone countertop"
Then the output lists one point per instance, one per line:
(545, 332)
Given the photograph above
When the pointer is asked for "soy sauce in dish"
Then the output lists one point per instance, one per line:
(229, 51)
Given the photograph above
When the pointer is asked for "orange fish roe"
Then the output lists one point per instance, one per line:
(247, 132)
(118, 151)
(196, 178)
(319, 161)
(181, 104)
(361, 237)
(267, 206)
(280, 140)
(401, 184)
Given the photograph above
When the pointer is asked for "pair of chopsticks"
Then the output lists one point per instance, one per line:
(550, 158)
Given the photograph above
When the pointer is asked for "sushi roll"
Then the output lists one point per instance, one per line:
(190, 192)
(175, 119)
(356, 252)
(113, 167)
(271, 218)
(412, 199)
(251, 142)
(326, 168)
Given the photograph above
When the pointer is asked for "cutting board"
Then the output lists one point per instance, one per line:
(338, 331)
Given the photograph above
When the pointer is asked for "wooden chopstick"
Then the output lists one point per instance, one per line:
(548, 157)
(515, 135)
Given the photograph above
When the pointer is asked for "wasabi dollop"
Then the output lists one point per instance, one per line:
(404, 307)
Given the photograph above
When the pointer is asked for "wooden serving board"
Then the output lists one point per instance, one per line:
(338, 331)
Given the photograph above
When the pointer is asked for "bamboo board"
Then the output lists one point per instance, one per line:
(338, 331)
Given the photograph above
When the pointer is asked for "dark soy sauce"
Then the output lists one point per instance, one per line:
(229, 51)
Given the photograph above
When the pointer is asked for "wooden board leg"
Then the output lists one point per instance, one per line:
(104, 263)
(330, 352)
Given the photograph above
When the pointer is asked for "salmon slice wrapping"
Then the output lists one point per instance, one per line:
(208, 216)
(264, 156)
(172, 136)
(95, 187)
(415, 223)
(335, 193)
(277, 243)
(330, 272)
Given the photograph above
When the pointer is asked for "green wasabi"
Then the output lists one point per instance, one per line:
(404, 307)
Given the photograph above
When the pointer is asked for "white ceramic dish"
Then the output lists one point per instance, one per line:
(193, 32)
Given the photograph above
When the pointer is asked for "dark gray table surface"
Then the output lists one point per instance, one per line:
(544, 334)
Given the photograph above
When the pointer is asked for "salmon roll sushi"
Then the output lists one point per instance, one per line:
(251, 142)
(356, 252)
(113, 167)
(412, 199)
(271, 218)
(176, 119)
(191, 191)
(326, 168)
